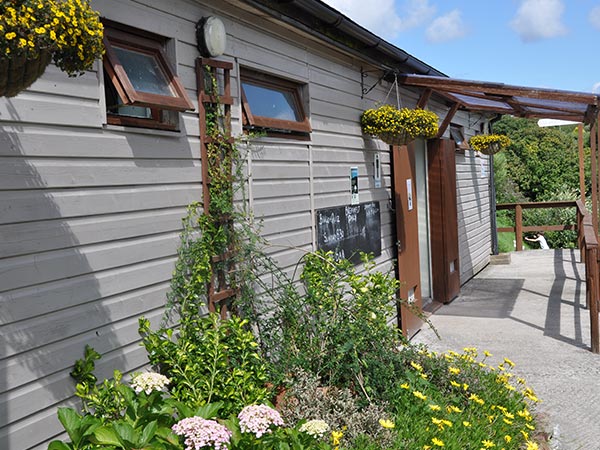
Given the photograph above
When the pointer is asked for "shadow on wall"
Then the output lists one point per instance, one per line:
(50, 301)
(471, 212)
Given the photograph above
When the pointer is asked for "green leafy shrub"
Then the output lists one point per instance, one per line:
(209, 360)
(327, 329)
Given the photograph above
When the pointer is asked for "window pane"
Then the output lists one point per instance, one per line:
(144, 72)
(457, 135)
(268, 102)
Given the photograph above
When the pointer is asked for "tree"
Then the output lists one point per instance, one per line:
(540, 161)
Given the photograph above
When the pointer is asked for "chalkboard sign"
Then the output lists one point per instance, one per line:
(346, 230)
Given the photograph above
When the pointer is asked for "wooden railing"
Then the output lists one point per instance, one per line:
(588, 246)
(519, 229)
(587, 241)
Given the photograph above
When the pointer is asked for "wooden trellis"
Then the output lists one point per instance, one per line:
(214, 103)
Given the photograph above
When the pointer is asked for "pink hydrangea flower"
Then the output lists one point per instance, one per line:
(257, 419)
(200, 433)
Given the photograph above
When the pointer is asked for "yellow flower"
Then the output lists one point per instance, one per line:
(454, 383)
(386, 423)
(487, 443)
(437, 442)
(454, 370)
(531, 446)
(405, 386)
(434, 407)
(420, 395)
(10, 36)
(476, 399)
(487, 354)
(509, 362)
(507, 438)
(336, 436)
(482, 141)
(416, 366)
(466, 424)
(453, 409)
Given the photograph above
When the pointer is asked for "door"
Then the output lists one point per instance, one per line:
(407, 233)
(443, 220)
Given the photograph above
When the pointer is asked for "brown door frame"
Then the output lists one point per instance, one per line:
(407, 236)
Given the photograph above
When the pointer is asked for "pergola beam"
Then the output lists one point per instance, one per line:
(424, 99)
(451, 84)
(448, 119)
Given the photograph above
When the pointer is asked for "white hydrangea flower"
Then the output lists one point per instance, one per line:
(316, 428)
(148, 382)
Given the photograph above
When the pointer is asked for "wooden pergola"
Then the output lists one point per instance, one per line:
(520, 101)
(538, 103)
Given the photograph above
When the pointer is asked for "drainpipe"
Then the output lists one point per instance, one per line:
(493, 224)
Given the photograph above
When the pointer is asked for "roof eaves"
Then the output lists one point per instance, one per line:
(328, 24)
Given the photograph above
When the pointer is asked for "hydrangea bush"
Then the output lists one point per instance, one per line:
(258, 419)
(148, 382)
(199, 433)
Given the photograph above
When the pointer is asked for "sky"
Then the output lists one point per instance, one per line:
(551, 44)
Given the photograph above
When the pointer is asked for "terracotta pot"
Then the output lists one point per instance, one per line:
(17, 74)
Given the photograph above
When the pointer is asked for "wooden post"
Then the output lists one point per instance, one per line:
(594, 167)
(596, 211)
(519, 227)
(581, 163)
(592, 297)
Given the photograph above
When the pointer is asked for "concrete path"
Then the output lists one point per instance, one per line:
(533, 312)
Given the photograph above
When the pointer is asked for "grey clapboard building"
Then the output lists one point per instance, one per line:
(91, 203)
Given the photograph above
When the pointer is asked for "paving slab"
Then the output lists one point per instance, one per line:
(533, 312)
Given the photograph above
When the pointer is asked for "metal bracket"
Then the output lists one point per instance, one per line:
(363, 75)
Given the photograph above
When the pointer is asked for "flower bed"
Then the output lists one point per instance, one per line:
(364, 390)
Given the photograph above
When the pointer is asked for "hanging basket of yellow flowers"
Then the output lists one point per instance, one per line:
(489, 144)
(399, 126)
(35, 32)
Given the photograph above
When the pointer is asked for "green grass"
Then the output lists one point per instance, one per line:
(506, 241)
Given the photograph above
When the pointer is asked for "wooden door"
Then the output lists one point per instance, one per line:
(443, 219)
(407, 223)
